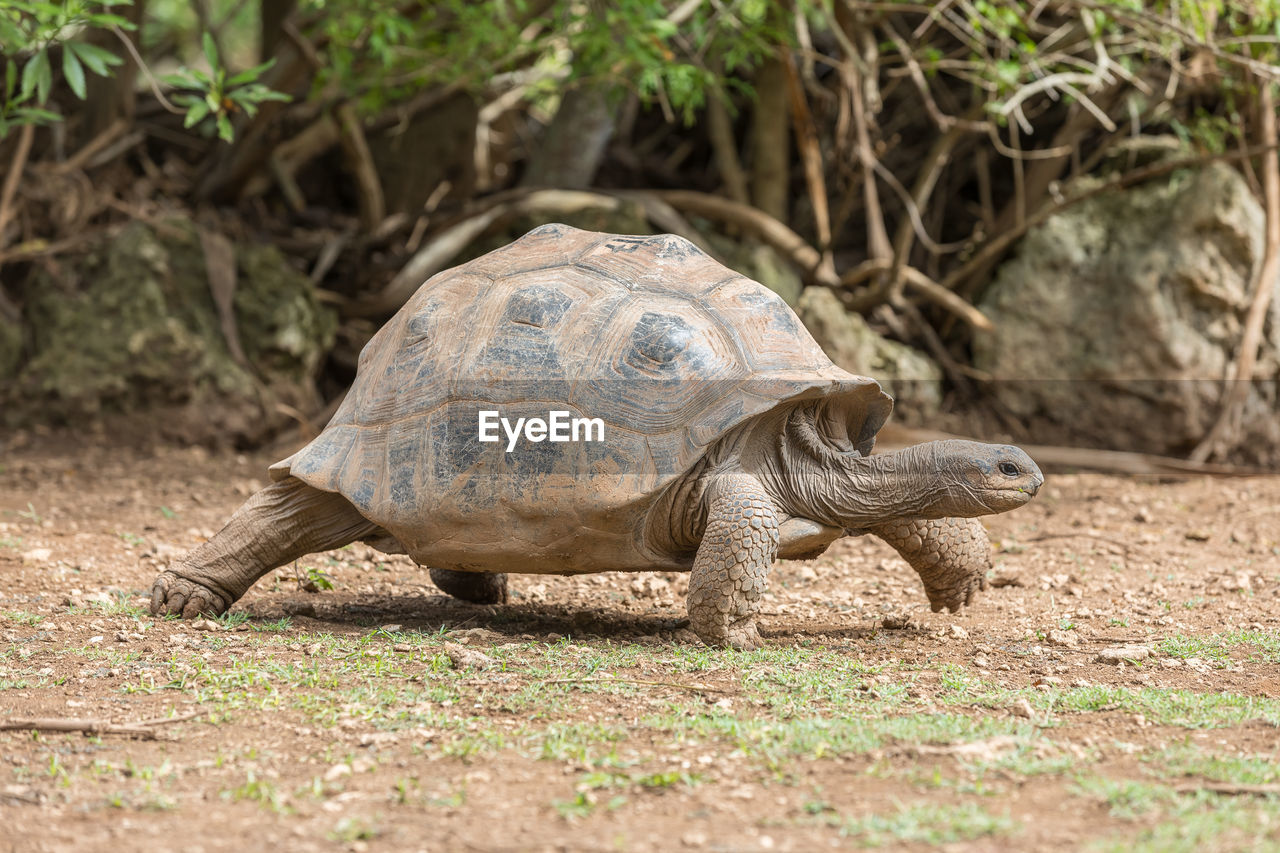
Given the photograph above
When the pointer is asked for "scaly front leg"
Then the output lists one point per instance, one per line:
(730, 571)
(951, 555)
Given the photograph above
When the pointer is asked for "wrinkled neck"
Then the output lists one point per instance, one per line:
(856, 492)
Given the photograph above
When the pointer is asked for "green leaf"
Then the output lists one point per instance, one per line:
(44, 76)
(103, 20)
(31, 114)
(98, 59)
(251, 74)
(10, 77)
(73, 71)
(195, 113)
(224, 129)
(210, 50)
(37, 76)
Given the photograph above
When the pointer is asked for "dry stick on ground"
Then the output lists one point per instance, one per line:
(89, 727)
(372, 205)
(754, 221)
(18, 164)
(446, 245)
(1225, 432)
(78, 160)
(811, 157)
(143, 728)
(220, 270)
(725, 147)
(917, 281)
(696, 688)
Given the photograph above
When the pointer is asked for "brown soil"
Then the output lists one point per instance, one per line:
(303, 742)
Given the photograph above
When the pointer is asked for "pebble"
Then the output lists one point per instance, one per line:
(1022, 708)
(392, 628)
(402, 647)
(1068, 639)
(1122, 654)
(95, 639)
(336, 772)
(958, 633)
(461, 657)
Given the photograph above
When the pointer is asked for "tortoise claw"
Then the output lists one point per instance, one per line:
(173, 595)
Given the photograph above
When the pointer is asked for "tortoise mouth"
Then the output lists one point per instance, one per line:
(1009, 497)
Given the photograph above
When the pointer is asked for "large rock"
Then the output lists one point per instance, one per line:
(913, 379)
(1117, 319)
(131, 326)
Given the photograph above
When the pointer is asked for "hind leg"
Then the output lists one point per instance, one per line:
(951, 555)
(279, 524)
(476, 587)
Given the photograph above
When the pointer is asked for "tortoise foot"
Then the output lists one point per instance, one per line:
(475, 587)
(173, 595)
(961, 592)
(742, 634)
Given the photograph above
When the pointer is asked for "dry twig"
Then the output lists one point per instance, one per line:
(696, 688)
(1225, 432)
(11, 180)
(144, 729)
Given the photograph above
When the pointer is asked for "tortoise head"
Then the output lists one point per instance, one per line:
(970, 478)
(831, 478)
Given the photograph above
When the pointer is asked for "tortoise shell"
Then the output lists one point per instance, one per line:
(666, 346)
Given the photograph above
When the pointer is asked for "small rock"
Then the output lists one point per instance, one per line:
(392, 628)
(981, 661)
(1022, 708)
(958, 633)
(205, 625)
(37, 555)
(122, 637)
(1122, 654)
(402, 647)
(95, 640)
(896, 621)
(462, 658)
(1063, 638)
(1198, 535)
(1239, 582)
(336, 772)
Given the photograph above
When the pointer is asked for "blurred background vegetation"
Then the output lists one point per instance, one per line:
(311, 162)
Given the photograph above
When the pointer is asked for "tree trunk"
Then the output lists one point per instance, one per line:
(271, 23)
(771, 142)
(108, 99)
(573, 145)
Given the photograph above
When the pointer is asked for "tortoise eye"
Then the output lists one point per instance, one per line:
(1009, 469)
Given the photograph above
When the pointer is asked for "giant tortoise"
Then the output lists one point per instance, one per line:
(677, 416)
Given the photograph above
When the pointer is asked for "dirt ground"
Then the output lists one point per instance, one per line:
(1118, 687)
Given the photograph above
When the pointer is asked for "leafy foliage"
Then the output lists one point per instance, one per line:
(217, 97)
(29, 33)
(384, 52)
(33, 34)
